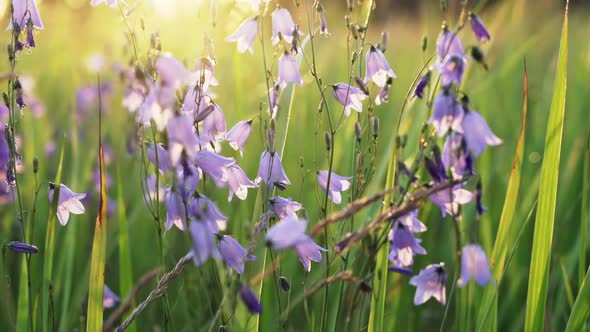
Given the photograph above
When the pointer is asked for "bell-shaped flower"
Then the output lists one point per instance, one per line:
(238, 183)
(204, 71)
(213, 125)
(474, 265)
(181, 138)
(456, 157)
(449, 200)
(289, 71)
(411, 222)
(204, 210)
(479, 29)
(271, 170)
(109, 298)
(175, 210)
(447, 113)
(283, 24)
(24, 10)
(68, 202)
(203, 242)
(171, 71)
(250, 299)
(451, 70)
(307, 250)
(430, 282)
(245, 35)
(215, 166)
(321, 12)
(377, 67)
(404, 246)
(338, 183)
(477, 133)
(162, 159)
(350, 97)
(383, 95)
(282, 207)
(448, 44)
(152, 193)
(419, 90)
(239, 134)
(233, 253)
(287, 233)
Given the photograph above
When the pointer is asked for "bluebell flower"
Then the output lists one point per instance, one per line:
(203, 242)
(283, 24)
(163, 163)
(24, 10)
(214, 165)
(430, 282)
(239, 134)
(447, 113)
(22, 248)
(450, 199)
(181, 139)
(233, 253)
(338, 184)
(419, 90)
(377, 67)
(289, 71)
(238, 183)
(307, 250)
(287, 233)
(109, 298)
(474, 265)
(245, 35)
(282, 207)
(250, 300)
(479, 29)
(67, 202)
(350, 97)
(477, 133)
(271, 170)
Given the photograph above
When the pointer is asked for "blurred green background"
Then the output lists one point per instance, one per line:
(74, 31)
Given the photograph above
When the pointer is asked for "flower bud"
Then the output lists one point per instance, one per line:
(301, 161)
(328, 139)
(284, 283)
(424, 43)
(5, 99)
(35, 165)
(250, 300)
(22, 248)
(477, 55)
(358, 131)
(375, 126)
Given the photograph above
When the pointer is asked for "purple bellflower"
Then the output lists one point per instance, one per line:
(350, 97)
(271, 170)
(419, 90)
(479, 29)
(250, 300)
(239, 134)
(383, 96)
(447, 113)
(321, 12)
(233, 253)
(181, 138)
(430, 282)
(175, 210)
(213, 125)
(410, 220)
(283, 24)
(215, 166)
(289, 71)
(203, 242)
(282, 207)
(377, 67)
(245, 35)
(449, 200)
(238, 183)
(307, 250)
(452, 69)
(172, 72)
(109, 298)
(477, 133)
(404, 246)
(68, 202)
(22, 248)
(474, 265)
(456, 157)
(448, 44)
(25, 10)
(338, 183)
(163, 160)
(205, 72)
(451, 57)
(204, 210)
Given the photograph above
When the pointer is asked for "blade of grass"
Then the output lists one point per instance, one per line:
(581, 308)
(585, 216)
(508, 229)
(543, 233)
(47, 284)
(125, 271)
(22, 313)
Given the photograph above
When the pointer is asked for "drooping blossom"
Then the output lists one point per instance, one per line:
(204, 71)
(205, 211)
(172, 72)
(203, 242)
(250, 299)
(377, 67)
(321, 12)
(25, 10)
(282, 207)
(419, 90)
(239, 134)
(289, 70)
(447, 113)
(307, 251)
(154, 190)
(245, 35)
(404, 245)
(451, 57)
(452, 69)
(67, 202)
(233, 253)
(109, 298)
(430, 282)
(181, 139)
(22, 248)
(383, 95)
(175, 210)
(350, 97)
(448, 44)
(477, 133)
(271, 170)
(474, 265)
(161, 160)
(238, 183)
(338, 184)
(157, 106)
(215, 166)
(479, 29)
(283, 24)
(449, 200)
(213, 125)
(456, 157)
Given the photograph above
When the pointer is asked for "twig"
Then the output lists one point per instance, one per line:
(158, 291)
(126, 305)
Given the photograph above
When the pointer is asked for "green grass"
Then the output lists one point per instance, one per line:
(513, 174)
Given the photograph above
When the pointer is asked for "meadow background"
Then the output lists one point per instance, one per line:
(74, 31)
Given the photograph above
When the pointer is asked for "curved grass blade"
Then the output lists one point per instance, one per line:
(97, 262)
(543, 234)
(508, 228)
(125, 273)
(581, 307)
(47, 284)
(585, 216)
